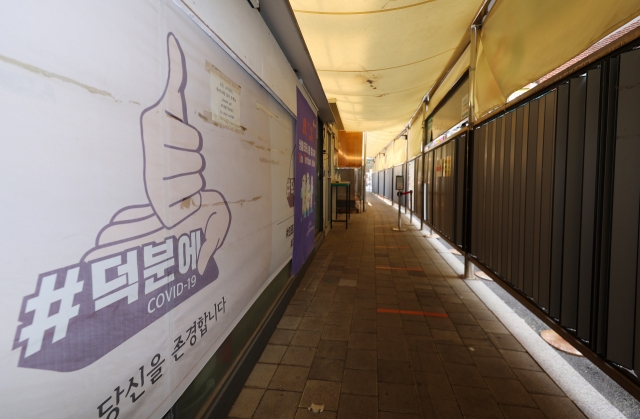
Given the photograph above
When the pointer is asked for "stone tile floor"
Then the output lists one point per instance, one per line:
(338, 347)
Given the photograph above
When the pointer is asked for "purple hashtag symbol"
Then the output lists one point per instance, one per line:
(44, 305)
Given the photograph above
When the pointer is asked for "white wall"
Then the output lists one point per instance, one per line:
(77, 80)
(241, 31)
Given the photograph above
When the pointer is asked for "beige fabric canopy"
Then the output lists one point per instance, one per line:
(416, 133)
(456, 72)
(378, 58)
(522, 40)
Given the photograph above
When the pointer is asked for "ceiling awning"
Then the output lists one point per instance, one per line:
(457, 71)
(378, 58)
(282, 24)
(522, 40)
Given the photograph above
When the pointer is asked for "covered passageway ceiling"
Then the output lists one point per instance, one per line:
(378, 58)
(523, 40)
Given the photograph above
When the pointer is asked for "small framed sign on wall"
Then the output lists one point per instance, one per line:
(399, 183)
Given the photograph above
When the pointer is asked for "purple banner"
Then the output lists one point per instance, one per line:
(82, 312)
(305, 174)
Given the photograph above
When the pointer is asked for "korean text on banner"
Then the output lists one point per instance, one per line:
(305, 170)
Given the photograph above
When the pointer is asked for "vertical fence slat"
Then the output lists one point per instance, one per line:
(546, 200)
(626, 209)
(562, 118)
(517, 191)
(573, 202)
(538, 199)
(530, 191)
(589, 191)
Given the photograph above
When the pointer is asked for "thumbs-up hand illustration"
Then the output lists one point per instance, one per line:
(173, 163)
(147, 260)
(174, 184)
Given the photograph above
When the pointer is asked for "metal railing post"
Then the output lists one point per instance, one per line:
(473, 49)
(399, 216)
(399, 228)
(468, 267)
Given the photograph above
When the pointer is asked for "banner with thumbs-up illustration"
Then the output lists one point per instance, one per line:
(153, 223)
(148, 259)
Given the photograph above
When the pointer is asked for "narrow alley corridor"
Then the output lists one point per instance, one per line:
(381, 326)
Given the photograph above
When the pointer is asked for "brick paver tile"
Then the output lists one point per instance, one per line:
(519, 412)
(520, 360)
(246, 403)
(326, 369)
(441, 409)
(395, 415)
(335, 349)
(454, 354)
(272, 354)
(464, 375)
(277, 405)
(477, 402)
(557, 407)
(360, 382)
(298, 355)
(312, 323)
(362, 341)
(324, 393)
(361, 359)
(261, 375)
(281, 337)
(289, 322)
(509, 392)
(502, 341)
(395, 371)
(399, 398)
(357, 407)
(308, 338)
(493, 367)
(335, 332)
(290, 378)
(304, 413)
(538, 382)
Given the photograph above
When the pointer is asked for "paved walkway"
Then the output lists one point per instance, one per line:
(381, 327)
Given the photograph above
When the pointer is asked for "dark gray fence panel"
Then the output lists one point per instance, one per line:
(589, 191)
(461, 158)
(555, 203)
(523, 195)
(498, 169)
(546, 200)
(562, 117)
(612, 72)
(622, 325)
(475, 155)
(537, 202)
(451, 188)
(517, 190)
(389, 186)
(488, 188)
(429, 194)
(482, 158)
(509, 155)
(573, 202)
(374, 182)
(530, 191)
